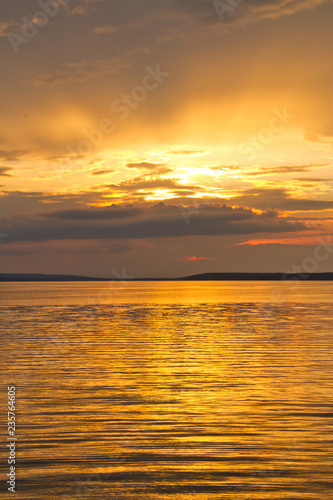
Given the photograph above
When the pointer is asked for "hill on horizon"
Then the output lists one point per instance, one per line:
(328, 276)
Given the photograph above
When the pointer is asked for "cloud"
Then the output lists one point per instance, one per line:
(4, 27)
(74, 247)
(146, 165)
(94, 213)
(204, 16)
(279, 199)
(170, 34)
(207, 12)
(289, 169)
(81, 71)
(186, 152)
(159, 221)
(13, 155)
(4, 172)
(193, 259)
(306, 239)
(143, 189)
(154, 170)
(85, 7)
(29, 202)
(312, 180)
(225, 167)
(144, 183)
(105, 30)
(272, 9)
(102, 172)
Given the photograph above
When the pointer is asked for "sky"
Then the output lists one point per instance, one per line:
(165, 138)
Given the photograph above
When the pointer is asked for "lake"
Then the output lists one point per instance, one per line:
(169, 390)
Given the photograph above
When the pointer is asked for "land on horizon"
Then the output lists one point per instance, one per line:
(19, 277)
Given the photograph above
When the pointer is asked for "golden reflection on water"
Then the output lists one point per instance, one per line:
(182, 293)
(173, 391)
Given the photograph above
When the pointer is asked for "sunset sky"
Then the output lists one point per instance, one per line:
(166, 137)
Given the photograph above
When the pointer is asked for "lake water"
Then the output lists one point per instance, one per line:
(169, 391)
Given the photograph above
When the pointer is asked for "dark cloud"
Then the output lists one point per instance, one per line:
(154, 173)
(312, 219)
(159, 221)
(312, 180)
(94, 213)
(81, 71)
(141, 187)
(4, 172)
(74, 247)
(24, 202)
(240, 13)
(83, 7)
(23, 194)
(278, 199)
(13, 155)
(102, 172)
(141, 183)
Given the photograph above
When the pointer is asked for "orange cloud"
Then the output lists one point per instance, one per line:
(193, 259)
(298, 240)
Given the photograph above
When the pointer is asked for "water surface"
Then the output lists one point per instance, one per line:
(182, 391)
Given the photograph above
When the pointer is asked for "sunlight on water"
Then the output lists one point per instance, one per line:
(182, 391)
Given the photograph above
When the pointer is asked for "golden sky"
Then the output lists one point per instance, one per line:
(167, 137)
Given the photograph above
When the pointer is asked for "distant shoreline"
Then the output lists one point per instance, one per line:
(11, 277)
